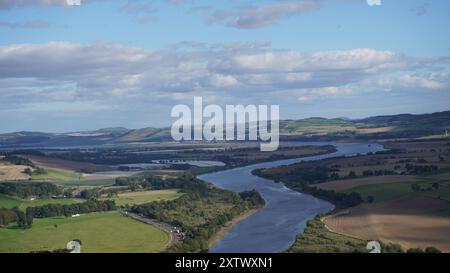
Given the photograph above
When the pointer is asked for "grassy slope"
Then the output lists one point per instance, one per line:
(98, 232)
(383, 192)
(53, 174)
(137, 198)
(386, 192)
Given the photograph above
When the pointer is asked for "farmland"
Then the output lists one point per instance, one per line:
(138, 198)
(98, 232)
(405, 188)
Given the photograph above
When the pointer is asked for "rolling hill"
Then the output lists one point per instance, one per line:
(379, 127)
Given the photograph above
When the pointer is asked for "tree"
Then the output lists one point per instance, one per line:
(370, 199)
(28, 171)
(416, 187)
(414, 250)
(23, 221)
(352, 174)
(432, 250)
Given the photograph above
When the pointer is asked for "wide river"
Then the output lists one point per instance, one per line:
(274, 227)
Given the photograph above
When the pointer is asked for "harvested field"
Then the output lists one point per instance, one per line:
(405, 221)
(12, 172)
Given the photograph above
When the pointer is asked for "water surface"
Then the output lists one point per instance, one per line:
(274, 228)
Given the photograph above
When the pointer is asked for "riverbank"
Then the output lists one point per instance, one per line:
(229, 225)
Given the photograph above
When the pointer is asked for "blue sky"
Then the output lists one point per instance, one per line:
(128, 62)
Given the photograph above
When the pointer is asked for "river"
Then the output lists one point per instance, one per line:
(274, 227)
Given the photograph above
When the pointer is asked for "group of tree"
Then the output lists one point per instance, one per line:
(339, 199)
(8, 216)
(200, 212)
(17, 160)
(419, 169)
(151, 182)
(28, 189)
(301, 177)
(52, 210)
(368, 173)
(35, 171)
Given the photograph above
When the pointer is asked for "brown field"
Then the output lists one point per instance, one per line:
(343, 185)
(46, 162)
(12, 172)
(403, 221)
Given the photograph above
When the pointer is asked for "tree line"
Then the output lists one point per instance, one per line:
(24, 220)
(200, 212)
(29, 189)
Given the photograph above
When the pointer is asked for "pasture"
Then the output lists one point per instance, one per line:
(107, 232)
(138, 198)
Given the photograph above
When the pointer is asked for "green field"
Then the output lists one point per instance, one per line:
(52, 174)
(99, 232)
(11, 202)
(87, 182)
(383, 192)
(137, 198)
(390, 191)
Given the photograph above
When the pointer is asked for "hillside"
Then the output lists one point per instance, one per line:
(405, 126)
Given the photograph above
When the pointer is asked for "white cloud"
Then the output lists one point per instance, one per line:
(260, 16)
(62, 71)
(374, 2)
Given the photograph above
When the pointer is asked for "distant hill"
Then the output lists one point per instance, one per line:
(379, 127)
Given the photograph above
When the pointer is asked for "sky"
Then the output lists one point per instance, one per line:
(73, 65)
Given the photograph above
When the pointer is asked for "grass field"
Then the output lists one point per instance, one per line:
(53, 174)
(87, 182)
(9, 172)
(99, 232)
(383, 192)
(11, 202)
(137, 198)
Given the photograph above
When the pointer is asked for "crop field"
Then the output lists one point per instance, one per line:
(52, 174)
(345, 185)
(99, 232)
(410, 221)
(137, 198)
(383, 192)
(10, 172)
